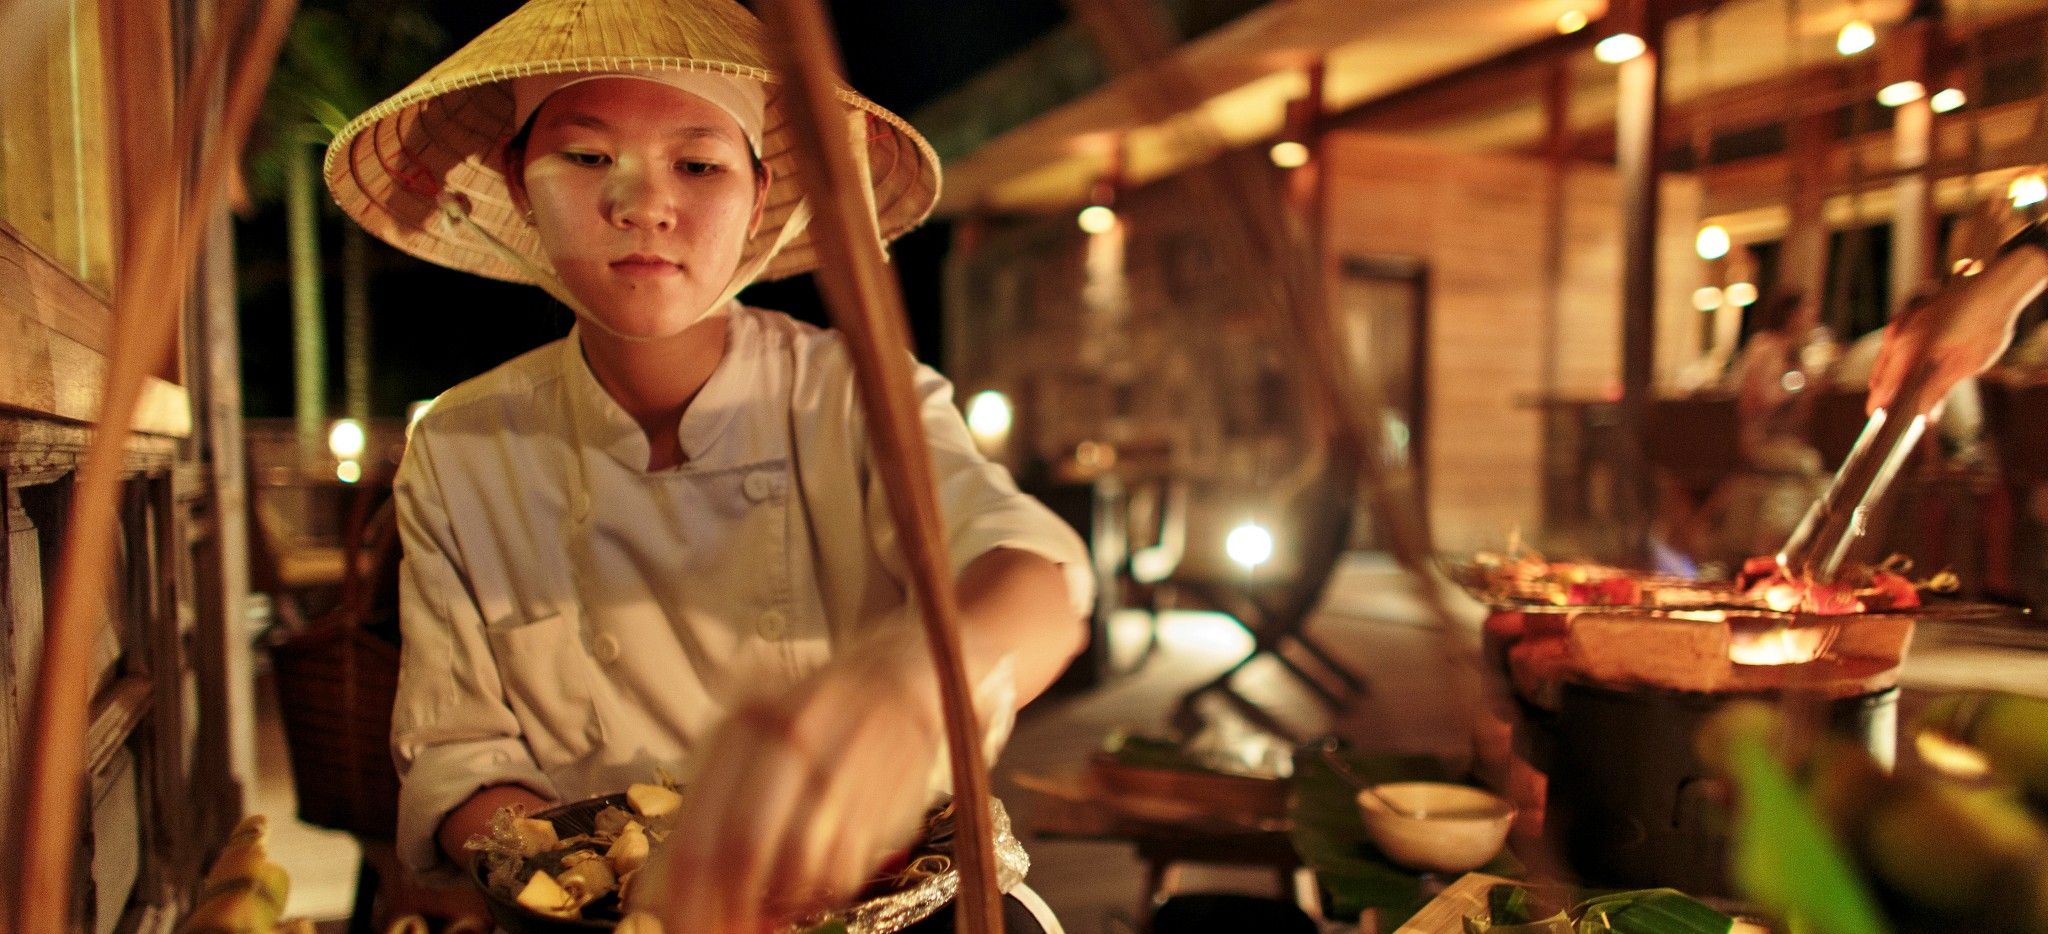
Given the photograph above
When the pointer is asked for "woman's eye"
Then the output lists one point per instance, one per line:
(586, 158)
(693, 167)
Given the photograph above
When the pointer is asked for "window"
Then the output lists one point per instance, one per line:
(53, 139)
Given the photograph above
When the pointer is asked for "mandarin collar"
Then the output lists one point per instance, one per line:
(601, 423)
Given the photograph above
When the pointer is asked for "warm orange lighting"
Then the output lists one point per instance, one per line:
(1947, 99)
(1901, 93)
(1289, 154)
(1570, 21)
(1096, 219)
(1620, 47)
(2027, 190)
(1741, 294)
(1856, 36)
(1713, 242)
(1707, 298)
(1779, 645)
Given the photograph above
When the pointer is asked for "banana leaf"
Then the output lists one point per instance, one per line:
(1785, 860)
(1330, 837)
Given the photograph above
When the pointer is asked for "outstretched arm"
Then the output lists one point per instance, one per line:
(1965, 328)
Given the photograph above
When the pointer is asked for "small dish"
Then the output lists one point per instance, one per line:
(1439, 828)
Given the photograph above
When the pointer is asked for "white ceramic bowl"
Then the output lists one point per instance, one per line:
(1459, 829)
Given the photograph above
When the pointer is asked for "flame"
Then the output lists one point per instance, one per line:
(1783, 596)
(1779, 645)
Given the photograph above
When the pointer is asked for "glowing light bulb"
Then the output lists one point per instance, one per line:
(1707, 298)
(1289, 154)
(1742, 294)
(1947, 99)
(1713, 242)
(988, 416)
(1249, 544)
(2027, 190)
(346, 439)
(1570, 21)
(1097, 219)
(1901, 93)
(1619, 48)
(348, 471)
(1856, 36)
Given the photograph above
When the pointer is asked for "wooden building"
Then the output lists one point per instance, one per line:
(1482, 160)
(87, 95)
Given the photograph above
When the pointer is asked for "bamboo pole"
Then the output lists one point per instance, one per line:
(162, 247)
(866, 303)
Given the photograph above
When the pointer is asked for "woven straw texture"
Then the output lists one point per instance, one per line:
(444, 132)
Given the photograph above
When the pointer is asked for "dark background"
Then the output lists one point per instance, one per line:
(434, 327)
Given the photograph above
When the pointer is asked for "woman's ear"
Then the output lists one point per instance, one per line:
(764, 178)
(512, 165)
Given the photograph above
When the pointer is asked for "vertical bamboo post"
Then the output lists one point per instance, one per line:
(867, 307)
(1637, 124)
(161, 247)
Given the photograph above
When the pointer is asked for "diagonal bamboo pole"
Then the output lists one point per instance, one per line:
(162, 244)
(867, 307)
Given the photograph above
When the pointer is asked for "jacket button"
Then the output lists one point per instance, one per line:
(606, 648)
(758, 486)
(772, 624)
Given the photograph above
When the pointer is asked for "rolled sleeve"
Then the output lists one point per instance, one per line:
(982, 506)
(452, 733)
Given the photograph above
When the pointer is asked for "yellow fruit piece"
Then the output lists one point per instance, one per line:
(652, 800)
(536, 836)
(587, 881)
(546, 896)
(629, 851)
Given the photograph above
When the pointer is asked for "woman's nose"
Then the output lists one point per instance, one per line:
(639, 198)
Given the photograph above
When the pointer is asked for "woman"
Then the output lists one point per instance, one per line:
(658, 543)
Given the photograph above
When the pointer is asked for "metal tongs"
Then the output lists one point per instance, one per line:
(1821, 543)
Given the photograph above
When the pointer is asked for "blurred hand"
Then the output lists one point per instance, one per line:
(801, 797)
(1961, 332)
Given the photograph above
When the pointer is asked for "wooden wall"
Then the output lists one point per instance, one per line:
(169, 743)
(1478, 224)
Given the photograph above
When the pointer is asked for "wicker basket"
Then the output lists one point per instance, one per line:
(335, 688)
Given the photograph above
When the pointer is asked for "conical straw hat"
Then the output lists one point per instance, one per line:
(444, 133)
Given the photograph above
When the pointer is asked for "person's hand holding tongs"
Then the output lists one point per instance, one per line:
(1927, 350)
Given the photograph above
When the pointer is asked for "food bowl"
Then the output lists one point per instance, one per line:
(882, 910)
(1445, 828)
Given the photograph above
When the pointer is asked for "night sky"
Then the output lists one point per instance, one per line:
(436, 327)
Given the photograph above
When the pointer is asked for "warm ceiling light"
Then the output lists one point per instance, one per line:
(1901, 93)
(1707, 298)
(1967, 266)
(1742, 294)
(1289, 154)
(1947, 99)
(2027, 190)
(1713, 242)
(1570, 21)
(1856, 36)
(1096, 219)
(346, 439)
(1619, 48)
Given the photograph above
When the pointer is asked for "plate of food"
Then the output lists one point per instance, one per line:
(569, 869)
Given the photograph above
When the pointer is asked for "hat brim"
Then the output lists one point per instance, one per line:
(390, 166)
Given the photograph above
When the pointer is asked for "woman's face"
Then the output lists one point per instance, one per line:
(644, 196)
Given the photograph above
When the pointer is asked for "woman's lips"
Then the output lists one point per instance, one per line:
(638, 265)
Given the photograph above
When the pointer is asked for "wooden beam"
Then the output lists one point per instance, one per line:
(1639, 162)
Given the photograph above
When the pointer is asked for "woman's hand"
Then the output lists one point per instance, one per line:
(801, 797)
(1961, 332)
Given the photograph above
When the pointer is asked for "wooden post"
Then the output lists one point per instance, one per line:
(1637, 128)
(867, 307)
(1557, 155)
(159, 250)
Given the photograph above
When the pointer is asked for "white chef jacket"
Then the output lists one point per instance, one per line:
(573, 621)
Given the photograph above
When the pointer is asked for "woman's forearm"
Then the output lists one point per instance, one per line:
(1015, 603)
(473, 817)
